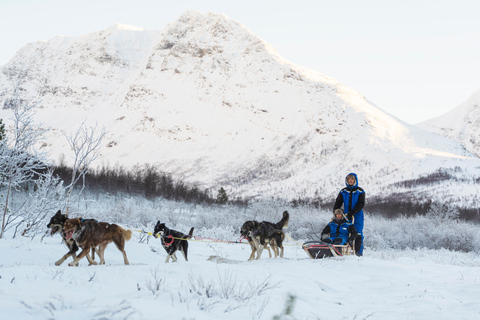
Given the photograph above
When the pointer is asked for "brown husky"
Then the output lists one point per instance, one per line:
(56, 225)
(89, 234)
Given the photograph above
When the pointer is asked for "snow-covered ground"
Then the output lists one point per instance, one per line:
(219, 283)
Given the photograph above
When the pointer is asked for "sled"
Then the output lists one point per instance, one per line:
(320, 250)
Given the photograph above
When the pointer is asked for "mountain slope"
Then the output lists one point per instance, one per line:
(461, 124)
(210, 102)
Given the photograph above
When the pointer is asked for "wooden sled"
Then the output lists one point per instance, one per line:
(320, 250)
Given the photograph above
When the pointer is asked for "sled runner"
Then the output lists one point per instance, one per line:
(320, 250)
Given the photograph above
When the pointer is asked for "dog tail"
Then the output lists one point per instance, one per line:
(126, 233)
(284, 222)
(190, 233)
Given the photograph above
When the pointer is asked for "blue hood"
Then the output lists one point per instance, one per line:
(356, 181)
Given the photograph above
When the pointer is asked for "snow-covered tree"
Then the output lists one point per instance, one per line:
(2, 130)
(20, 161)
(222, 197)
(39, 205)
(443, 211)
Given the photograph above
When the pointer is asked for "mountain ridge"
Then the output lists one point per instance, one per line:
(461, 124)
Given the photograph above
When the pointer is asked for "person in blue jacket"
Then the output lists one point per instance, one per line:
(339, 230)
(352, 197)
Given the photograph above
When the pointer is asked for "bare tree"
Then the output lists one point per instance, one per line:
(443, 211)
(20, 162)
(48, 195)
(85, 143)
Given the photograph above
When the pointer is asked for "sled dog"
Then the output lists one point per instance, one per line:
(56, 225)
(172, 240)
(88, 234)
(265, 235)
(252, 228)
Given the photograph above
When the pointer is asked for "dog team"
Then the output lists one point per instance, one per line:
(93, 237)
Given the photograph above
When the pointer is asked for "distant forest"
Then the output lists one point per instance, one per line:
(146, 181)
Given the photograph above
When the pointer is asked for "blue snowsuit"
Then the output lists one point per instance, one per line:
(353, 200)
(340, 231)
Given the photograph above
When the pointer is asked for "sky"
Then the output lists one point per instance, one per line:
(414, 59)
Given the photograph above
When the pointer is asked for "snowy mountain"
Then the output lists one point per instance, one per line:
(461, 124)
(210, 102)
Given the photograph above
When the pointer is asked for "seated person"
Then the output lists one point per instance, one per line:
(339, 231)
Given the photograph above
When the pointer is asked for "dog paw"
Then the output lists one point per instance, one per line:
(58, 263)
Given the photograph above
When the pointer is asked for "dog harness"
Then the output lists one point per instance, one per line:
(169, 237)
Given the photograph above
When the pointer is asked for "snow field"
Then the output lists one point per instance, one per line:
(217, 283)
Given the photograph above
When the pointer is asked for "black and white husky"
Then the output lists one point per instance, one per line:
(172, 240)
(261, 235)
(266, 234)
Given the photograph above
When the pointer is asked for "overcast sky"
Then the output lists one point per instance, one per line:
(414, 59)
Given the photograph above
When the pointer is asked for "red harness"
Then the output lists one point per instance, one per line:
(168, 243)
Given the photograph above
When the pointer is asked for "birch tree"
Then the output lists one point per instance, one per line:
(20, 162)
(85, 144)
(443, 211)
(38, 206)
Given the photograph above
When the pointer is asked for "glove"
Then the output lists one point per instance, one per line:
(350, 216)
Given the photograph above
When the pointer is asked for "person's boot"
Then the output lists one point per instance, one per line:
(358, 246)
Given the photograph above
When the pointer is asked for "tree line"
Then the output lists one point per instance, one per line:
(146, 180)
